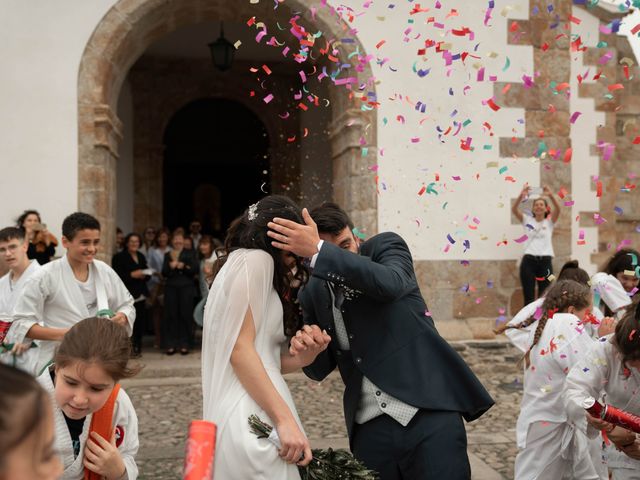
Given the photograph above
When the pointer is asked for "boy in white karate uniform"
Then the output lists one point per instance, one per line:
(65, 291)
(13, 251)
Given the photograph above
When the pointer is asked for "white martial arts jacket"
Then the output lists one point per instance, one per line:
(608, 289)
(9, 293)
(52, 298)
(561, 345)
(521, 337)
(125, 422)
(601, 371)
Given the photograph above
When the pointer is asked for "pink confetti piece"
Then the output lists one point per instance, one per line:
(605, 58)
(574, 117)
(268, 98)
(303, 77)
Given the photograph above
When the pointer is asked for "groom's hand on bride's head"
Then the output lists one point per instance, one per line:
(308, 342)
(301, 240)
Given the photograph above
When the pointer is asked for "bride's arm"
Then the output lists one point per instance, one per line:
(250, 371)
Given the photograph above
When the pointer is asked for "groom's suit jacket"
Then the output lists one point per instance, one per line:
(394, 342)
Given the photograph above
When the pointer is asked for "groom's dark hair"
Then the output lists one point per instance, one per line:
(330, 218)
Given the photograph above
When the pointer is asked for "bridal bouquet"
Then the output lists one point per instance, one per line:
(326, 464)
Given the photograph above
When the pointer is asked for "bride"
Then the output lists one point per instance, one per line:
(249, 317)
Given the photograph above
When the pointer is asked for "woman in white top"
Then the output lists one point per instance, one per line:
(549, 446)
(611, 367)
(538, 251)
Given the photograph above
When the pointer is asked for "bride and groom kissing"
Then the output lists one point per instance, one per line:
(295, 290)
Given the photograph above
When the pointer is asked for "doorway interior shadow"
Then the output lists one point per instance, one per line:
(216, 163)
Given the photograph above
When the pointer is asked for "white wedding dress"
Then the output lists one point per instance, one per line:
(245, 281)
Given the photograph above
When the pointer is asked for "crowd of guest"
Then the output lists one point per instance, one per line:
(168, 274)
(166, 271)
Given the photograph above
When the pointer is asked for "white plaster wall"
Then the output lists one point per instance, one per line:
(124, 180)
(41, 43)
(583, 135)
(404, 167)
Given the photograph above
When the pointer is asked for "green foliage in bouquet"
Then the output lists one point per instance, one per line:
(326, 464)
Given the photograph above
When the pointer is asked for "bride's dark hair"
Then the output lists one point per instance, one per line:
(249, 230)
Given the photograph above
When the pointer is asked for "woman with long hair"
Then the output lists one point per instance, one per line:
(42, 243)
(250, 315)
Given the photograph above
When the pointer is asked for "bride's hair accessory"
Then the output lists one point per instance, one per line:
(252, 215)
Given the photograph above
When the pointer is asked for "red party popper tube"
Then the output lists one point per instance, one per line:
(612, 414)
(200, 451)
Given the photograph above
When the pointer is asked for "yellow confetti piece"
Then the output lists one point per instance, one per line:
(237, 44)
(546, 389)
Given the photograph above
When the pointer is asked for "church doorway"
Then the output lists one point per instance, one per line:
(148, 59)
(216, 163)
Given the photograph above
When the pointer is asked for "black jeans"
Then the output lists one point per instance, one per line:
(433, 446)
(533, 267)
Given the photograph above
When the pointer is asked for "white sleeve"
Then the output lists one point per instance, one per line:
(29, 308)
(127, 420)
(120, 300)
(586, 379)
(520, 337)
(610, 290)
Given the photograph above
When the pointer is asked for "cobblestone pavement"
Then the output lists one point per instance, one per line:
(167, 395)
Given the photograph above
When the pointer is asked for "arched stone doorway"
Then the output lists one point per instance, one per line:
(124, 34)
(216, 155)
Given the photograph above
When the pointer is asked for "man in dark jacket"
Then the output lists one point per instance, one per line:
(407, 390)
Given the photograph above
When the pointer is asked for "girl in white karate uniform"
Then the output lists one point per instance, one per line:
(611, 367)
(550, 448)
(96, 427)
(598, 325)
(26, 423)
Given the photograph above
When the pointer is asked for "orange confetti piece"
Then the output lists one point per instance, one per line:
(599, 189)
(380, 43)
(422, 190)
(615, 86)
(266, 69)
(567, 155)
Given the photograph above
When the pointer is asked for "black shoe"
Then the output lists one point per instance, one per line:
(170, 351)
(184, 351)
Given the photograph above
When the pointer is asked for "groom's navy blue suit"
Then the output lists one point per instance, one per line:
(397, 347)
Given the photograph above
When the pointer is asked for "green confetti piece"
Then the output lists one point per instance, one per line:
(466, 122)
(503, 169)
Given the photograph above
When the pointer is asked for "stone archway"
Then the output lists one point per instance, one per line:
(121, 37)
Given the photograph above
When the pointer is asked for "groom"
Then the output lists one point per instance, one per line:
(406, 389)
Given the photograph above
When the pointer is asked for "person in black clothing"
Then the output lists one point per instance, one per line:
(42, 244)
(179, 269)
(130, 265)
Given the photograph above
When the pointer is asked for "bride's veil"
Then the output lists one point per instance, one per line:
(244, 281)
